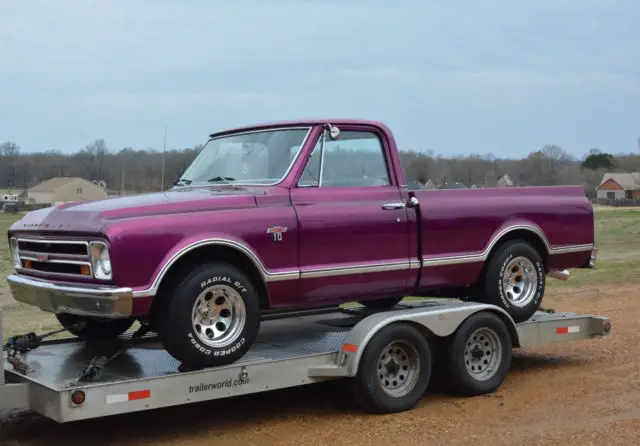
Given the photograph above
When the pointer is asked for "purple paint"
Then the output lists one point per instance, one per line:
(330, 232)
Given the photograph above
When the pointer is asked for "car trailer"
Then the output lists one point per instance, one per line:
(387, 356)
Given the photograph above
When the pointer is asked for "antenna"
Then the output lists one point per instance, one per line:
(164, 149)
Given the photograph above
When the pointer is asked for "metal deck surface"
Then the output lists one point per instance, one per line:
(56, 365)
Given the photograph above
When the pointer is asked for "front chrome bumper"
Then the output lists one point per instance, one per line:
(80, 300)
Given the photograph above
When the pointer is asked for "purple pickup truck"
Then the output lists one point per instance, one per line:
(290, 215)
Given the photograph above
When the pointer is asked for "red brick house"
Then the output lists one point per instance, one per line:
(619, 186)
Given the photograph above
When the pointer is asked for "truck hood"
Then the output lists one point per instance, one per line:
(91, 216)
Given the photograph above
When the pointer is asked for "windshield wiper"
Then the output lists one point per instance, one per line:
(227, 180)
(182, 182)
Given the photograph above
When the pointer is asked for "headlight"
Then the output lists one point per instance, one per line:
(100, 261)
(15, 253)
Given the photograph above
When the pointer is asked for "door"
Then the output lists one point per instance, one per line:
(352, 225)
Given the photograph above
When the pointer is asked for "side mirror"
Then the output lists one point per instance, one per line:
(334, 132)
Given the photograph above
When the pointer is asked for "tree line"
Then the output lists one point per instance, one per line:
(137, 171)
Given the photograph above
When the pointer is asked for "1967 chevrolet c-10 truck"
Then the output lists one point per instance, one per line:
(290, 215)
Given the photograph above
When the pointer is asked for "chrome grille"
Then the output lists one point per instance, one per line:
(55, 257)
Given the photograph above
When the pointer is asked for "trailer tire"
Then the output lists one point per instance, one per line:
(213, 299)
(93, 329)
(478, 355)
(394, 371)
(526, 285)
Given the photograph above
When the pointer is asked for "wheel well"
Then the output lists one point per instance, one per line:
(224, 254)
(525, 235)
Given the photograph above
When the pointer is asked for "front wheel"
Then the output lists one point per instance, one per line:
(211, 317)
(515, 280)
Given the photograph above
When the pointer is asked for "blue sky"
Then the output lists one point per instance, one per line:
(496, 76)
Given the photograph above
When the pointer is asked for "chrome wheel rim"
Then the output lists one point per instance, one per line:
(398, 368)
(519, 281)
(218, 316)
(483, 354)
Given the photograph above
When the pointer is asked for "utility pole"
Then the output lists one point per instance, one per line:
(164, 149)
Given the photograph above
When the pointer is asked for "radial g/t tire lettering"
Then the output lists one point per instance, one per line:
(210, 318)
(514, 280)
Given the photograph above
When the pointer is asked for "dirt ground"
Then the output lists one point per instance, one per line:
(580, 393)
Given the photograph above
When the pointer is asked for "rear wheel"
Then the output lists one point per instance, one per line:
(515, 280)
(92, 328)
(210, 318)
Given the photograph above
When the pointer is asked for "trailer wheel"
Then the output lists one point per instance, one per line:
(515, 280)
(93, 329)
(210, 318)
(394, 371)
(478, 355)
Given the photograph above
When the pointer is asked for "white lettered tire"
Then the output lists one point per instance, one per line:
(515, 280)
(211, 317)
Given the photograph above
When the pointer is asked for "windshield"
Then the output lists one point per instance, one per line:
(261, 157)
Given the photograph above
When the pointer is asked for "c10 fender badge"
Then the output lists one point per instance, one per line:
(276, 232)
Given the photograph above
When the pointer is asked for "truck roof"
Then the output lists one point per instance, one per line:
(303, 122)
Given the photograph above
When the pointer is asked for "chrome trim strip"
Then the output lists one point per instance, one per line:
(350, 270)
(570, 249)
(481, 257)
(53, 241)
(64, 262)
(295, 274)
(61, 256)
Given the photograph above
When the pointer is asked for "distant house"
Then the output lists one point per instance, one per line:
(13, 195)
(430, 184)
(454, 185)
(415, 184)
(64, 189)
(619, 186)
(503, 181)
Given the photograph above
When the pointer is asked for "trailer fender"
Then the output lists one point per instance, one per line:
(440, 321)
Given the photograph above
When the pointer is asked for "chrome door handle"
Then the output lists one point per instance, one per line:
(392, 206)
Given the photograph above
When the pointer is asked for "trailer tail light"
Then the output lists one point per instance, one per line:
(78, 397)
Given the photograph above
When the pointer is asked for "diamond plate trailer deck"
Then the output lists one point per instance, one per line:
(388, 354)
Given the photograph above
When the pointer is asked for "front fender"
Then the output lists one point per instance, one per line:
(189, 244)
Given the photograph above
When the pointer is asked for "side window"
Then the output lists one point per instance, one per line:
(355, 159)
